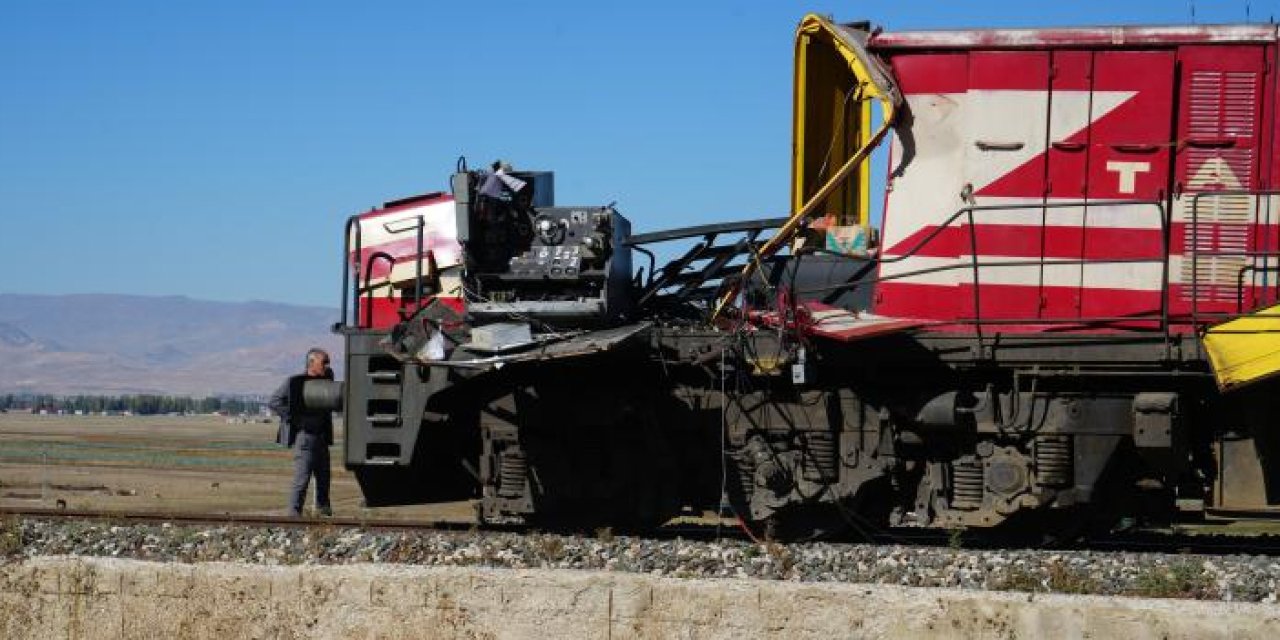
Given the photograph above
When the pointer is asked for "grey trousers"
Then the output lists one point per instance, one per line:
(310, 458)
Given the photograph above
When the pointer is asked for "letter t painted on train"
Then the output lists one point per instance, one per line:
(1128, 173)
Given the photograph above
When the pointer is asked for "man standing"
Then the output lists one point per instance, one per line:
(309, 432)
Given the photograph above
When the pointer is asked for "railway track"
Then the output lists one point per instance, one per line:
(240, 519)
(1157, 541)
(1211, 544)
(687, 531)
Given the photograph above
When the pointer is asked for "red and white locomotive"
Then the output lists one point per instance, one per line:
(1028, 335)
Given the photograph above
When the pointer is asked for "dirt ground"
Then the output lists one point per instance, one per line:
(191, 464)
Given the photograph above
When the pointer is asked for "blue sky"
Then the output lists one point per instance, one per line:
(213, 149)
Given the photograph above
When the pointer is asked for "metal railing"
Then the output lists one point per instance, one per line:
(720, 258)
(975, 266)
(351, 257)
(368, 275)
(1265, 254)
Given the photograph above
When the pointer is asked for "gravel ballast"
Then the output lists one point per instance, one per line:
(1240, 578)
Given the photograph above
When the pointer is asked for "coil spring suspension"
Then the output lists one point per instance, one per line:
(512, 468)
(1053, 460)
(966, 483)
(741, 475)
(821, 460)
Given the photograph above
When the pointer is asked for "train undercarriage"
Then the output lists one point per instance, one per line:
(1043, 439)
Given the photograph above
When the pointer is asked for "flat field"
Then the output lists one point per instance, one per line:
(188, 464)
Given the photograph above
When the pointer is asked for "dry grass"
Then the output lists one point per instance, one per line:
(197, 464)
(1182, 579)
(10, 536)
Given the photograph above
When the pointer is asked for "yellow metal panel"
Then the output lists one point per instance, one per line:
(1246, 349)
(836, 82)
(864, 176)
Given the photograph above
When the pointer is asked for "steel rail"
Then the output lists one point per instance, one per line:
(1145, 541)
(671, 531)
(238, 519)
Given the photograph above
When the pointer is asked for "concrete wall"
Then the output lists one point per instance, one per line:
(108, 598)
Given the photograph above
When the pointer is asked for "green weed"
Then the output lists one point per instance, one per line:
(1182, 579)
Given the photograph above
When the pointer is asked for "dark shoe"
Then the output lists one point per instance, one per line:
(326, 512)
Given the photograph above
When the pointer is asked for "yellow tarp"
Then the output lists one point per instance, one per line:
(1245, 350)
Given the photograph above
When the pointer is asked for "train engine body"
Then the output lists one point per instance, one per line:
(1044, 329)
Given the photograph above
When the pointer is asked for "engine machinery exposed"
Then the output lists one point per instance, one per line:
(1065, 316)
(527, 257)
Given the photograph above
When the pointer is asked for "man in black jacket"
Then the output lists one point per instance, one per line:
(308, 432)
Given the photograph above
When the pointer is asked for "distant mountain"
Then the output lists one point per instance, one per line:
(12, 336)
(122, 344)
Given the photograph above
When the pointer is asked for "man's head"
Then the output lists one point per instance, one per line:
(317, 362)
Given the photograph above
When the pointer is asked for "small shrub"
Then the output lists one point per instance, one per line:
(318, 540)
(551, 548)
(1019, 579)
(781, 557)
(10, 536)
(1179, 580)
(1065, 579)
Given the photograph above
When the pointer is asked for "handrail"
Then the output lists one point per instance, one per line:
(702, 230)
(417, 282)
(719, 255)
(351, 257)
(978, 209)
(1008, 207)
(968, 212)
(1252, 267)
(352, 221)
(1195, 244)
(368, 273)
